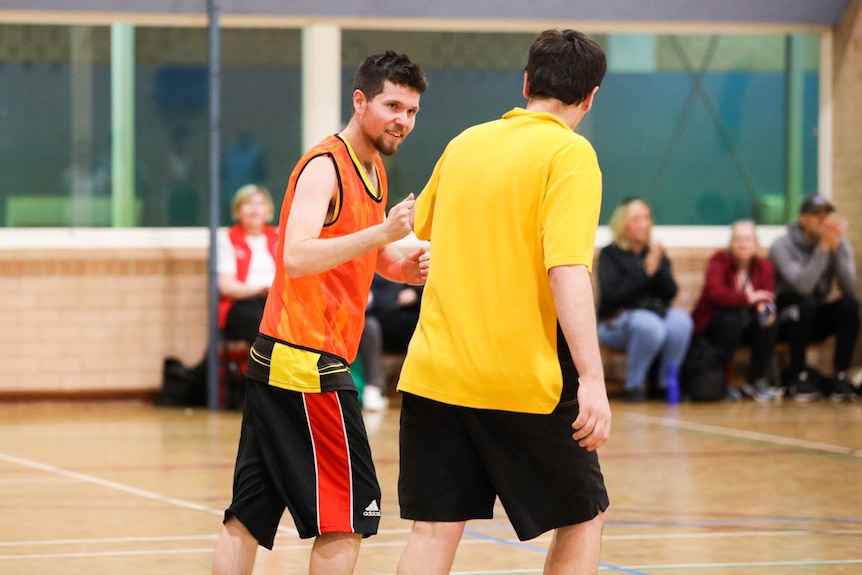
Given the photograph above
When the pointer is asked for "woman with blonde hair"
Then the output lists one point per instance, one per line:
(636, 286)
(246, 263)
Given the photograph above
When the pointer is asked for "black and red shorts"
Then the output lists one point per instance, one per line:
(309, 453)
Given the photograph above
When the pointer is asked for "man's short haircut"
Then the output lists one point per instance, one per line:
(566, 65)
(397, 68)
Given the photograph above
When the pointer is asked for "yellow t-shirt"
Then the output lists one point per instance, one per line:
(507, 201)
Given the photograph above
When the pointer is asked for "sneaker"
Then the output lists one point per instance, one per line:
(759, 391)
(732, 395)
(843, 389)
(805, 389)
(373, 400)
(636, 395)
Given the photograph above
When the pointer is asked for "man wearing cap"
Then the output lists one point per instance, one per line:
(815, 293)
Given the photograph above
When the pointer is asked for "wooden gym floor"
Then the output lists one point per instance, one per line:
(745, 488)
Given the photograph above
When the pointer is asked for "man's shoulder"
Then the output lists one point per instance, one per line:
(478, 130)
(781, 242)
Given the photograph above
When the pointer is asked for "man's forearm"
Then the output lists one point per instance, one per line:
(316, 255)
(573, 297)
(845, 268)
(389, 260)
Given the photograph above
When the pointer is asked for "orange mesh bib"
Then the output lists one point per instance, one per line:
(326, 312)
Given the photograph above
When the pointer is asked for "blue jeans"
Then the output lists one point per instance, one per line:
(644, 335)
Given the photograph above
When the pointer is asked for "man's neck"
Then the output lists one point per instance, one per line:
(809, 234)
(571, 115)
(364, 149)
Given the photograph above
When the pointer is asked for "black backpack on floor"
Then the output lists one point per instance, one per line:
(182, 386)
(703, 376)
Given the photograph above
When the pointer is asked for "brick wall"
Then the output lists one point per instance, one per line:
(847, 110)
(98, 322)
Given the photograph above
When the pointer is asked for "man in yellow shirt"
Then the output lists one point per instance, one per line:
(503, 387)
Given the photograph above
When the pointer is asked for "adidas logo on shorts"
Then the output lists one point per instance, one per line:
(372, 510)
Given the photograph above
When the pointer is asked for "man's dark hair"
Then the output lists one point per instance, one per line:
(397, 68)
(566, 65)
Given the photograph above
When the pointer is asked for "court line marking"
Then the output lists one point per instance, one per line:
(531, 547)
(107, 483)
(732, 565)
(764, 564)
(475, 541)
(121, 487)
(746, 534)
(603, 567)
(748, 435)
(131, 552)
(668, 422)
(727, 522)
(32, 480)
(306, 546)
(675, 566)
(106, 540)
(91, 554)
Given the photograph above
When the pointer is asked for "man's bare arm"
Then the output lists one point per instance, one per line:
(573, 297)
(305, 253)
(410, 269)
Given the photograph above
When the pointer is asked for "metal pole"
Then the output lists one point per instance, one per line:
(123, 126)
(795, 97)
(215, 188)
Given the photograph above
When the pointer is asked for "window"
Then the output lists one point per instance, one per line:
(707, 128)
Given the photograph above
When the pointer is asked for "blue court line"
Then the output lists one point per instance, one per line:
(528, 547)
(606, 567)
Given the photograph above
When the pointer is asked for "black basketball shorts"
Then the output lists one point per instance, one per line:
(455, 462)
(309, 453)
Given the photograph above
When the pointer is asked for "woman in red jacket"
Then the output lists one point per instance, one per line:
(246, 263)
(736, 306)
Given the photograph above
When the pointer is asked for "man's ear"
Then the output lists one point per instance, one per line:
(359, 101)
(526, 88)
(590, 98)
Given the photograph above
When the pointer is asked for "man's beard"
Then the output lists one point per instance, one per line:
(385, 146)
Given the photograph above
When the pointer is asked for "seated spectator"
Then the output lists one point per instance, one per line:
(736, 306)
(246, 263)
(391, 318)
(396, 307)
(245, 268)
(636, 286)
(370, 352)
(813, 262)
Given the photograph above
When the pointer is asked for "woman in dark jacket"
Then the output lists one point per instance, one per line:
(636, 286)
(736, 306)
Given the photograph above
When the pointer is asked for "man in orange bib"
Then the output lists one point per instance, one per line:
(303, 444)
